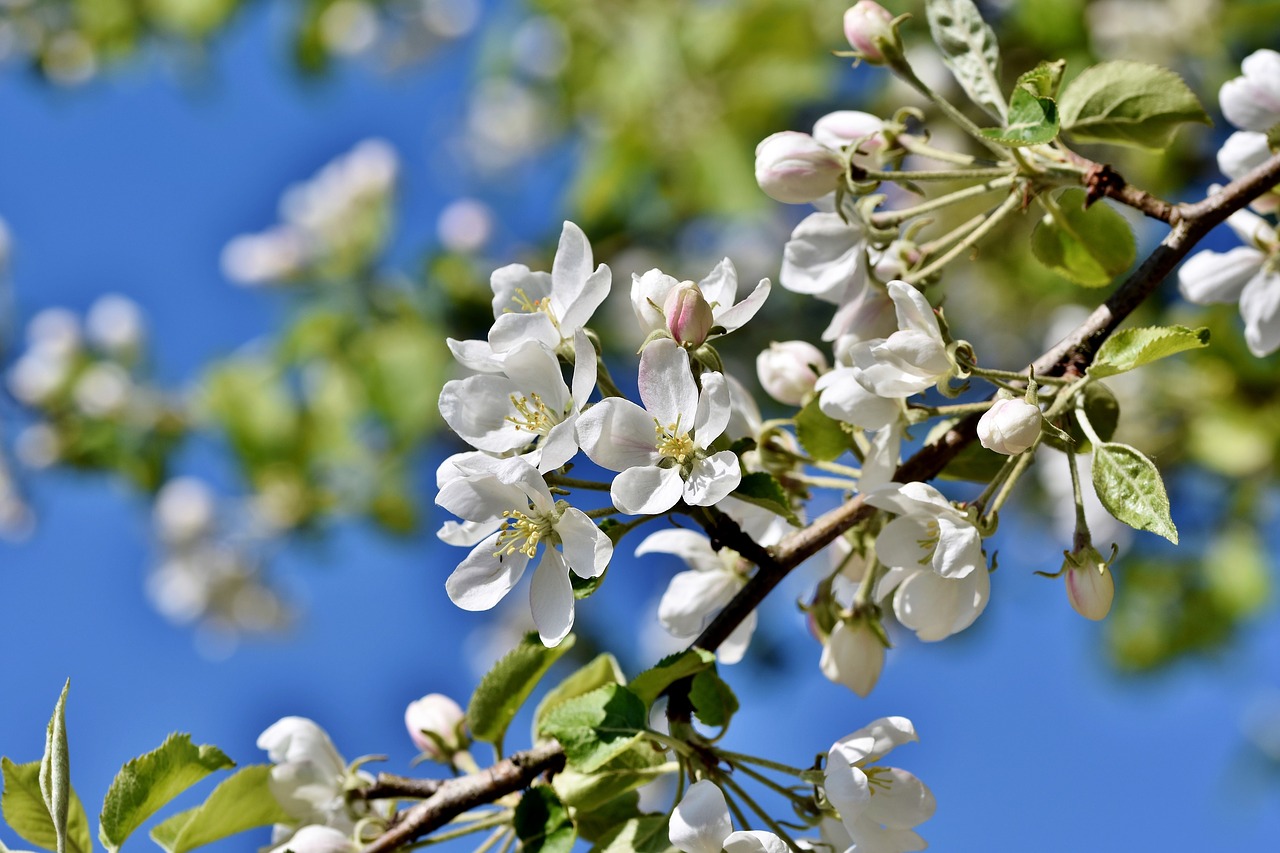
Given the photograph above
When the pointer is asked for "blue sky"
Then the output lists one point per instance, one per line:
(135, 182)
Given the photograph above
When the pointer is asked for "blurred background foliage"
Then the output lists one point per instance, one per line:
(658, 106)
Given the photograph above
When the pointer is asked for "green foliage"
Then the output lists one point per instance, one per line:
(1131, 489)
(149, 781)
(55, 770)
(26, 813)
(714, 702)
(542, 822)
(241, 801)
(1128, 103)
(597, 727)
(595, 823)
(648, 685)
(508, 684)
(590, 792)
(1090, 246)
(601, 670)
(648, 834)
(970, 50)
(1033, 120)
(1131, 348)
(821, 436)
(1103, 411)
(764, 490)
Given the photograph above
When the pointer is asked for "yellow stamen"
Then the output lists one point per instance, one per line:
(672, 442)
(523, 533)
(532, 414)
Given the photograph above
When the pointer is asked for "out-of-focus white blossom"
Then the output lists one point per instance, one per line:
(38, 446)
(794, 168)
(465, 225)
(55, 331)
(184, 511)
(270, 256)
(349, 27)
(102, 390)
(114, 323)
(1252, 100)
(435, 725)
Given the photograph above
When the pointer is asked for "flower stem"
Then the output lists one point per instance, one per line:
(920, 148)
(890, 218)
(908, 74)
(740, 758)
(496, 819)
(993, 219)
(934, 174)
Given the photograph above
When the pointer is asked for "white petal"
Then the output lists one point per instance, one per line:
(594, 290)
(1251, 228)
(853, 656)
(735, 645)
(824, 257)
(479, 498)
(720, 287)
(297, 739)
(689, 545)
(585, 368)
(846, 785)
(713, 409)
(467, 533)
(482, 579)
(551, 598)
(700, 821)
(1260, 308)
(913, 310)
(666, 384)
(508, 282)
(906, 803)
(571, 266)
(881, 463)
(712, 479)
(1209, 277)
(959, 550)
(885, 733)
(1243, 150)
(913, 498)
(534, 369)
(476, 408)
(936, 607)
(475, 355)
(648, 295)
(867, 836)
(646, 490)
(693, 598)
(737, 316)
(559, 445)
(511, 330)
(617, 434)
(846, 399)
(754, 841)
(587, 549)
(899, 543)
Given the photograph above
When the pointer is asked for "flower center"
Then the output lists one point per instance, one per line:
(878, 779)
(532, 414)
(929, 543)
(672, 442)
(523, 532)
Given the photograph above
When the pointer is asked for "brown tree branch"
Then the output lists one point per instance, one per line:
(1074, 353)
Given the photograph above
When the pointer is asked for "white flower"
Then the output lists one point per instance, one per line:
(1010, 426)
(1244, 151)
(661, 450)
(932, 606)
(853, 655)
(693, 598)
(184, 511)
(317, 839)
(529, 409)
(102, 390)
(270, 256)
(309, 774)
(514, 502)
(788, 370)
(912, 359)
(115, 324)
(1090, 584)
(844, 398)
(435, 724)
(928, 532)
(539, 306)
(872, 798)
(794, 168)
(1252, 102)
(825, 257)
(1244, 273)
(650, 292)
(700, 823)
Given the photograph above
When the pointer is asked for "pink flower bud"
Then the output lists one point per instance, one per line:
(688, 315)
(1010, 426)
(788, 370)
(869, 28)
(794, 168)
(435, 726)
(1090, 586)
(846, 128)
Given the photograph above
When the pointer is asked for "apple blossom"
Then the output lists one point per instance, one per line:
(688, 314)
(435, 724)
(928, 532)
(184, 511)
(794, 168)
(788, 370)
(1010, 426)
(652, 294)
(932, 606)
(317, 839)
(114, 323)
(863, 132)
(853, 655)
(1242, 152)
(870, 30)
(694, 597)
(872, 798)
(514, 502)
(1252, 101)
(910, 360)
(700, 823)
(1090, 584)
(661, 451)
(309, 776)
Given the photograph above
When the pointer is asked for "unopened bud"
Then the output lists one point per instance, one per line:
(1010, 426)
(788, 370)
(870, 30)
(688, 315)
(795, 168)
(853, 656)
(850, 128)
(435, 724)
(1090, 586)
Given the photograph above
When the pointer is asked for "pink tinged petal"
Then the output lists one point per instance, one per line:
(906, 803)
(825, 257)
(714, 409)
(475, 355)
(646, 490)
(899, 543)
(1260, 308)
(648, 295)
(690, 546)
(617, 434)
(693, 598)
(482, 579)
(720, 287)
(666, 384)
(593, 293)
(476, 408)
(754, 841)
(886, 733)
(843, 397)
(735, 645)
(585, 369)
(551, 598)
(507, 281)
(959, 550)
(737, 316)
(511, 330)
(700, 822)
(571, 266)
(712, 479)
(587, 549)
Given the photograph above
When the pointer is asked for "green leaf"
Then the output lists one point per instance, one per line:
(821, 436)
(1128, 103)
(595, 823)
(1103, 410)
(55, 770)
(602, 670)
(764, 490)
(1033, 120)
(1132, 348)
(970, 50)
(649, 834)
(1044, 80)
(542, 822)
(586, 587)
(596, 728)
(649, 684)
(149, 781)
(1090, 247)
(713, 700)
(24, 810)
(506, 687)
(1130, 487)
(242, 801)
(588, 792)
